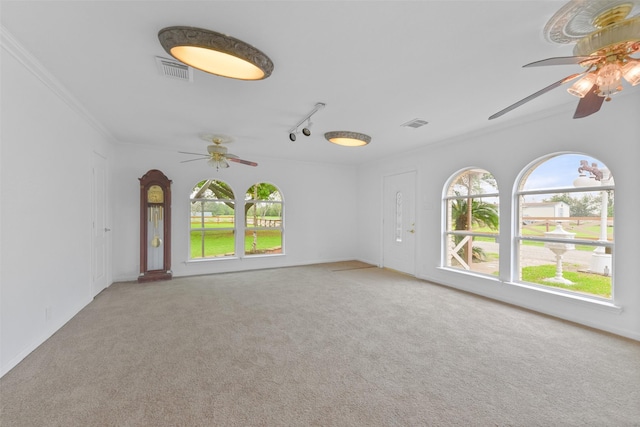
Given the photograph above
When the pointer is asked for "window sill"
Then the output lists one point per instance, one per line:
(471, 273)
(201, 260)
(584, 300)
(599, 303)
(262, 256)
(205, 260)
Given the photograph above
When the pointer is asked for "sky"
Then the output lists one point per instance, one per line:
(558, 172)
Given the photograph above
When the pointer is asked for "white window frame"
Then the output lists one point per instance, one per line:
(449, 252)
(203, 229)
(279, 227)
(518, 237)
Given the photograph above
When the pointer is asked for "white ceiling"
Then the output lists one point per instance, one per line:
(376, 65)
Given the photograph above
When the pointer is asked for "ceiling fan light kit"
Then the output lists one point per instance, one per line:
(347, 138)
(631, 72)
(605, 40)
(218, 156)
(215, 53)
(582, 86)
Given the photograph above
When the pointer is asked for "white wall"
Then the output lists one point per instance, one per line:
(320, 221)
(45, 210)
(612, 136)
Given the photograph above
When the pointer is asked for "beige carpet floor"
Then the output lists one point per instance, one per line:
(341, 344)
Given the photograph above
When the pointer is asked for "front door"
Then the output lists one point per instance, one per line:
(399, 222)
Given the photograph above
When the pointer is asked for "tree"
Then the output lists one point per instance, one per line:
(587, 205)
(483, 214)
(260, 191)
(474, 182)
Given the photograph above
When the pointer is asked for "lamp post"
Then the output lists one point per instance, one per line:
(600, 260)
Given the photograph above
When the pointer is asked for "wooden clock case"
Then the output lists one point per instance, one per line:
(155, 227)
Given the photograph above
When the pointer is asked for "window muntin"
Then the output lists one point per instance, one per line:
(263, 220)
(212, 225)
(564, 236)
(472, 222)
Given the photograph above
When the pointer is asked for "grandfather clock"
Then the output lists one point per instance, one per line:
(155, 227)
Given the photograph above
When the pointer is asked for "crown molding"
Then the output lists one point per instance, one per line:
(11, 45)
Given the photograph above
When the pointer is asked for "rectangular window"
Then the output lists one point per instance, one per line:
(472, 223)
(471, 242)
(263, 228)
(570, 251)
(212, 228)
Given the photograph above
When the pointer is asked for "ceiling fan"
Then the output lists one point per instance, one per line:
(218, 154)
(605, 42)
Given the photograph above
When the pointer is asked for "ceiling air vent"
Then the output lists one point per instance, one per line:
(174, 69)
(415, 123)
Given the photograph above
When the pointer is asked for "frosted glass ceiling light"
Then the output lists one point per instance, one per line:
(608, 80)
(631, 72)
(215, 53)
(218, 163)
(348, 139)
(582, 86)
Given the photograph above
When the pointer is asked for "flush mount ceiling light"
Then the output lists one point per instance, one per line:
(215, 53)
(348, 139)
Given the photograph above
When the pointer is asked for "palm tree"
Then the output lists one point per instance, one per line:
(483, 214)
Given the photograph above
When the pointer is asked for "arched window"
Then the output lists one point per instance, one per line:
(212, 232)
(565, 207)
(472, 222)
(263, 220)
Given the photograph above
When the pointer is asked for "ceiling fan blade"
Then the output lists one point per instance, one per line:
(535, 95)
(588, 105)
(564, 60)
(193, 160)
(244, 162)
(194, 154)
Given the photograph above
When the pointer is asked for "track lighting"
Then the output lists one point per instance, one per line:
(307, 130)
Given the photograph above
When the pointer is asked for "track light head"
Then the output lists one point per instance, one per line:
(292, 136)
(307, 130)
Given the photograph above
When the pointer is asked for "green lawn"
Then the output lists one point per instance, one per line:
(219, 243)
(593, 284)
(269, 241)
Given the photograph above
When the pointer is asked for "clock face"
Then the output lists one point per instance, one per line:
(155, 194)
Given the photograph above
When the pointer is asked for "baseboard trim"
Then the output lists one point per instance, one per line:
(40, 340)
